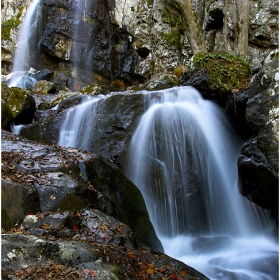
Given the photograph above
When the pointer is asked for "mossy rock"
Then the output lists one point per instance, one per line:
(17, 99)
(93, 89)
(226, 71)
(62, 95)
(161, 82)
(71, 202)
(44, 87)
(6, 115)
(6, 221)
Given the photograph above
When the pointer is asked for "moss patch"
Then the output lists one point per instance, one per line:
(72, 203)
(226, 71)
(15, 98)
(11, 23)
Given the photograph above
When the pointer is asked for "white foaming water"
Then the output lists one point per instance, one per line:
(28, 26)
(15, 129)
(77, 128)
(227, 258)
(184, 160)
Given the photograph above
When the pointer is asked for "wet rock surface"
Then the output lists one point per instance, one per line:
(19, 103)
(54, 172)
(67, 229)
(258, 162)
(115, 120)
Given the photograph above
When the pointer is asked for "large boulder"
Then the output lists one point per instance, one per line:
(20, 102)
(73, 259)
(6, 115)
(53, 173)
(258, 163)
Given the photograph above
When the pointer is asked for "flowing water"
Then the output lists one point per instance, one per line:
(81, 53)
(184, 160)
(24, 52)
(77, 129)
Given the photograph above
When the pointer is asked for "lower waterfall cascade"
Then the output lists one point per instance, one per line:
(183, 158)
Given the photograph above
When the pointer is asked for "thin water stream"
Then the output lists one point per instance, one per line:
(21, 64)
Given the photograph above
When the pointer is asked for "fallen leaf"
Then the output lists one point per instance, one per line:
(174, 276)
(45, 226)
(150, 271)
(160, 269)
(144, 265)
(184, 272)
(103, 227)
(131, 255)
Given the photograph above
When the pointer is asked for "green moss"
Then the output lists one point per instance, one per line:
(173, 39)
(6, 221)
(92, 89)
(72, 203)
(11, 23)
(227, 72)
(14, 97)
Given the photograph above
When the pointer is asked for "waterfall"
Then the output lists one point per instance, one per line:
(81, 53)
(23, 52)
(77, 129)
(184, 160)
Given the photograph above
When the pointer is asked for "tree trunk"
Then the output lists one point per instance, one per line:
(236, 26)
(193, 30)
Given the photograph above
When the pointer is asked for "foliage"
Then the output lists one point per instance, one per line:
(226, 71)
(11, 23)
(179, 71)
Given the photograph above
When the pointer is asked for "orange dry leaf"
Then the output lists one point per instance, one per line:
(103, 227)
(151, 265)
(132, 255)
(184, 272)
(160, 269)
(174, 276)
(58, 266)
(150, 271)
(45, 226)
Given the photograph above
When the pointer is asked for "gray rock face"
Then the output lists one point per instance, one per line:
(258, 162)
(85, 260)
(105, 48)
(129, 38)
(115, 120)
(45, 175)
